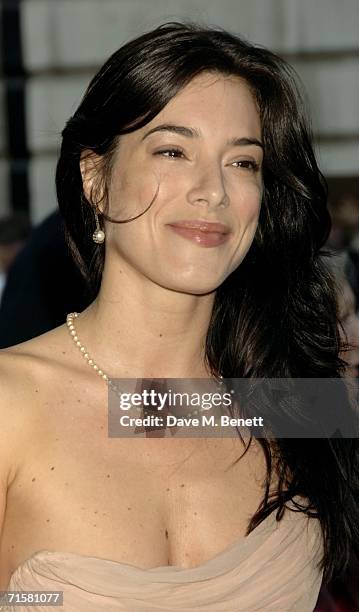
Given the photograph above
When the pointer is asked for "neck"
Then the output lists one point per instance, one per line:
(141, 330)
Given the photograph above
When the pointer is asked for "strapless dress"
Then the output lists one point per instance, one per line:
(273, 569)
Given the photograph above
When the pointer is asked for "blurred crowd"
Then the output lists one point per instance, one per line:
(41, 284)
(14, 232)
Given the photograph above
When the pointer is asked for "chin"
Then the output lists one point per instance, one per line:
(195, 288)
(194, 284)
(194, 281)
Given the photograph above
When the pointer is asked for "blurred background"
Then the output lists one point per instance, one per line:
(49, 50)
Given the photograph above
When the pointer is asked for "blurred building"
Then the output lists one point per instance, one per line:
(53, 48)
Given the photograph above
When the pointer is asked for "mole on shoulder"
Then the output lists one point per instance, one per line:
(52, 468)
(182, 485)
(33, 479)
(166, 534)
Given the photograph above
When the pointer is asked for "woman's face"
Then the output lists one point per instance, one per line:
(350, 322)
(199, 160)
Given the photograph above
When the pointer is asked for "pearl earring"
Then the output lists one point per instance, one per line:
(99, 235)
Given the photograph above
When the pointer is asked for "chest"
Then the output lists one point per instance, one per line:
(147, 502)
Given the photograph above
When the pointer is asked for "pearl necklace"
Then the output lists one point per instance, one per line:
(71, 327)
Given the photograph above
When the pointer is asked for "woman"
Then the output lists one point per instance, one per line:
(349, 320)
(343, 595)
(194, 206)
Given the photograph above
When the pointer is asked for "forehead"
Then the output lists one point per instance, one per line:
(216, 103)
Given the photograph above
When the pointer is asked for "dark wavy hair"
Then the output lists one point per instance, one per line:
(275, 315)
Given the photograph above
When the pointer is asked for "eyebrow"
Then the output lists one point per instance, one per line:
(194, 133)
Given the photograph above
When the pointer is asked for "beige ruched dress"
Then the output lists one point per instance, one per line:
(273, 569)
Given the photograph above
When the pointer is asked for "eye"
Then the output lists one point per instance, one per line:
(172, 153)
(247, 164)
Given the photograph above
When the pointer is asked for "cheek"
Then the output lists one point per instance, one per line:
(247, 213)
(131, 192)
(248, 204)
(352, 330)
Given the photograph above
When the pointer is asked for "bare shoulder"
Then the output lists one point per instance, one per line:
(26, 373)
(45, 345)
(24, 364)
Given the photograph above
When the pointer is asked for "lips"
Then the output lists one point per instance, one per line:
(203, 233)
(203, 226)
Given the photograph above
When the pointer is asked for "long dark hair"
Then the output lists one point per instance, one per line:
(276, 315)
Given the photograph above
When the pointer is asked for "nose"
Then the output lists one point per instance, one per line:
(208, 188)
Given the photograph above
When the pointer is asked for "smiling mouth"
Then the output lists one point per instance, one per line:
(202, 226)
(202, 233)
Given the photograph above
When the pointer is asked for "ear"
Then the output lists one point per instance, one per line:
(90, 168)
